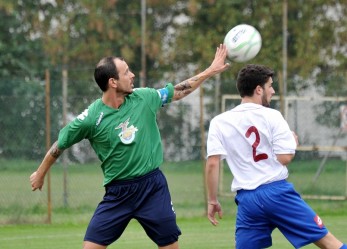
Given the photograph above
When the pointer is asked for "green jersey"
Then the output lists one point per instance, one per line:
(126, 140)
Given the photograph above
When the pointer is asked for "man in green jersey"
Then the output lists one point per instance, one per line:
(121, 127)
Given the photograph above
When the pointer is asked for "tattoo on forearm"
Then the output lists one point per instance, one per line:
(185, 87)
(55, 152)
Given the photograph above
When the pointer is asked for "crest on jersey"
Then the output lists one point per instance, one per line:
(127, 134)
(318, 221)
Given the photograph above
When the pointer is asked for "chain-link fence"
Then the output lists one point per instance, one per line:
(75, 182)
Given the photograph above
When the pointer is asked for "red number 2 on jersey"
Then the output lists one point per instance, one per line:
(256, 157)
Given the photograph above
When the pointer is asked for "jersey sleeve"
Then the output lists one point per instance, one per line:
(75, 131)
(156, 98)
(214, 141)
(283, 138)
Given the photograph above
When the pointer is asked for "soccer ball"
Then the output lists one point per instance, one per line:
(243, 43)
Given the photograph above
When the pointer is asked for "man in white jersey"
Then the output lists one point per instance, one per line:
(258, 145)
(122, 129)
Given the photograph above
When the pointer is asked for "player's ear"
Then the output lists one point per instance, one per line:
(112, 82)
(258, 89)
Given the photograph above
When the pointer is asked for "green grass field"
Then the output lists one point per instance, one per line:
(19, 205)
(197, 233)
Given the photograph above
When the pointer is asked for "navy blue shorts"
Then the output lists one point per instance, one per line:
(146, 199)
(275, 205)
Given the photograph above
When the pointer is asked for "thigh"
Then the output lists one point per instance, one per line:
(253, 227)
(250, 238)
(111, 217)
(294, 217)
(91, 245)
(156, 213)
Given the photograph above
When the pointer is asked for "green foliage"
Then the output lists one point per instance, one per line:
(21, 63)
(21, 54)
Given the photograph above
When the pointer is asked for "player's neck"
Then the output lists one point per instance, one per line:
(253, 100)
(112, 99)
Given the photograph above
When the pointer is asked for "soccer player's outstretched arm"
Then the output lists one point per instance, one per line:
(217, 66)
(37, 178)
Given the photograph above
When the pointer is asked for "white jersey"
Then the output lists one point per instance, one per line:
(249, 136)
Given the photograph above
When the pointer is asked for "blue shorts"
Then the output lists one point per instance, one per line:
(146, 199)
(275, 205)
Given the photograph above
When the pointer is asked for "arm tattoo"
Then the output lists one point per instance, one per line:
(185, 87)
(54, 151)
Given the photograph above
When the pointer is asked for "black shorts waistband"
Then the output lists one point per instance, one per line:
(133, 180)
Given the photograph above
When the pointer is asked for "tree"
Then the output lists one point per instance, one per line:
(21, 63)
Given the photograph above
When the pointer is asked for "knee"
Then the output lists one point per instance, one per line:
(329, 241)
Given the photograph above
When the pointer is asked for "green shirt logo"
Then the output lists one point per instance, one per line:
(127, 135)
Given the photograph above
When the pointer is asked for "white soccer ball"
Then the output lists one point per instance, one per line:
(243, 43)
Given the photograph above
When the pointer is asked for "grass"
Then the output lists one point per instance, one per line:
(197, 233)
(72, 212)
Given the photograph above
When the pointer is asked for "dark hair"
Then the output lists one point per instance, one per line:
(252, 76)
(104, 70)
